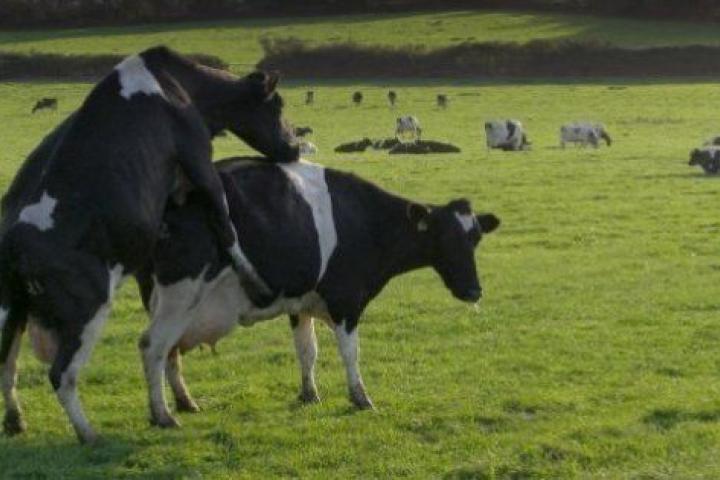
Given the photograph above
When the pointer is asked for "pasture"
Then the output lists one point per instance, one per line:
(594, 354)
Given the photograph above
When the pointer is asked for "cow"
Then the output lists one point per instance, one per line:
(328, 240)
(408, 128)
(302, 131)
(354, 147)
(507, 135)
(357, 98)
(584, 134)
(307, 148)
(708, 158)
(712, 141)
(392, 98)
(309, 97)
(85, 210)
(43, 103)
(442, 101)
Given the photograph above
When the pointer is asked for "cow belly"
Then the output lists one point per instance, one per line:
(220, 305)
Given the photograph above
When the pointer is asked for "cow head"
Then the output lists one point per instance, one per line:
(454, 232)
(255, 116)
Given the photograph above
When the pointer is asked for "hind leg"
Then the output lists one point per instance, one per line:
(306, 349)
(173, 371)
(13, 422)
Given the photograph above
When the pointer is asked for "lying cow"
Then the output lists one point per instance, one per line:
(507, 135)
(328, 240)
(43, 103)
(85, 210)
(408, 128)
(708, 158)
(584, 134)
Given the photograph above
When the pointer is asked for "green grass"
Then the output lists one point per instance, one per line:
(595, 353)
(236, 41)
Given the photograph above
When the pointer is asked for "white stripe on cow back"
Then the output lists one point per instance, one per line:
(466, 220)
(40, 214)
(136, 78)
(309, 179)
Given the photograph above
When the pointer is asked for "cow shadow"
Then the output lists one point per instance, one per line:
(669, 418)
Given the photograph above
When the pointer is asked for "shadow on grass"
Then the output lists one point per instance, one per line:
(668, 418)
(113, 457)
(659, 176)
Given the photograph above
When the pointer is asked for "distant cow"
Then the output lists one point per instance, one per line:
(43, 103)
(442, 101)
(392, 97)
(712, 141)
(506, 135)
(584, 133)
(357, 98)
(85, 209)
(353, 147)
(328, 240)
(307, 148)
(302, 131)
(309, 97)
(708, 158)
(408, 127)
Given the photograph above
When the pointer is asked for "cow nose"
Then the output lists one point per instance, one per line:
(473, 295)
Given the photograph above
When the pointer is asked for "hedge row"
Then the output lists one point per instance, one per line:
(542, 58)
(18, 66)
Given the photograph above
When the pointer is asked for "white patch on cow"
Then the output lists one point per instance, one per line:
(309, 179)
(467, 221)
(498, 135)
(67, 392)
(408, 127)
(4, 312)
(136, 78)
(40, 214)
(348, 346)
(307, 148)
(239, 258)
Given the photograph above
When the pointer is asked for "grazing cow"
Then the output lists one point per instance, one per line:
(302, 131)
(85, 210)
(307, 148)
(506, 135)
(49, 103)
(357, 98)
(309, 97)
(442, 101)
(328, 240)
(408, 128)
(708, 158)
(392, 98)
(584, 133)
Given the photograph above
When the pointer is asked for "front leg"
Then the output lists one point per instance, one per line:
(306, 349)
(346, 333)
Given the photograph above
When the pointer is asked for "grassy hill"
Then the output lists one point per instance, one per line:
(237, 41)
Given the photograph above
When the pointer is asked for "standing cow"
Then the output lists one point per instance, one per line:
(46, 102)
(507, 135)
(357, 98)
(328, 240)
(408, 127)
(707, 158)
(392, 98)
(442, 101)
(86, 208)
(584, 134)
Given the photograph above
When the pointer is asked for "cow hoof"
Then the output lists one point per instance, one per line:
(165, 422)
(89, 438)
(309, 397)
(187, 405)
(363, 403)
(13, 423)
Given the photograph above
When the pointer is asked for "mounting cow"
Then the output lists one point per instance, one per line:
(86, 208)
(328, 240)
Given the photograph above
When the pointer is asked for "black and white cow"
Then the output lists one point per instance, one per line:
(86, 208)
(407, 128)
(507, 135)
(328, 240)
(583, 134)
(707, 158)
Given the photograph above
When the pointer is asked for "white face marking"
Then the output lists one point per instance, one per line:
(309, 179)
(3, 316)
(40, 214)
(467, 221)
(136, 78)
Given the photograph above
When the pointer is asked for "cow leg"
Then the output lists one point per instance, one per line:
(348, 346)
(13, 422)
(306, 349)
(173, 371)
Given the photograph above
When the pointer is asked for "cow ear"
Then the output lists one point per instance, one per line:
(488, 222)
(418, 215)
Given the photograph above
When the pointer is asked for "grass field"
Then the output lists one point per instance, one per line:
(595, 353)
(237, 41)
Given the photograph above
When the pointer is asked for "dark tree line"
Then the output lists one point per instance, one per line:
(31, 13)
